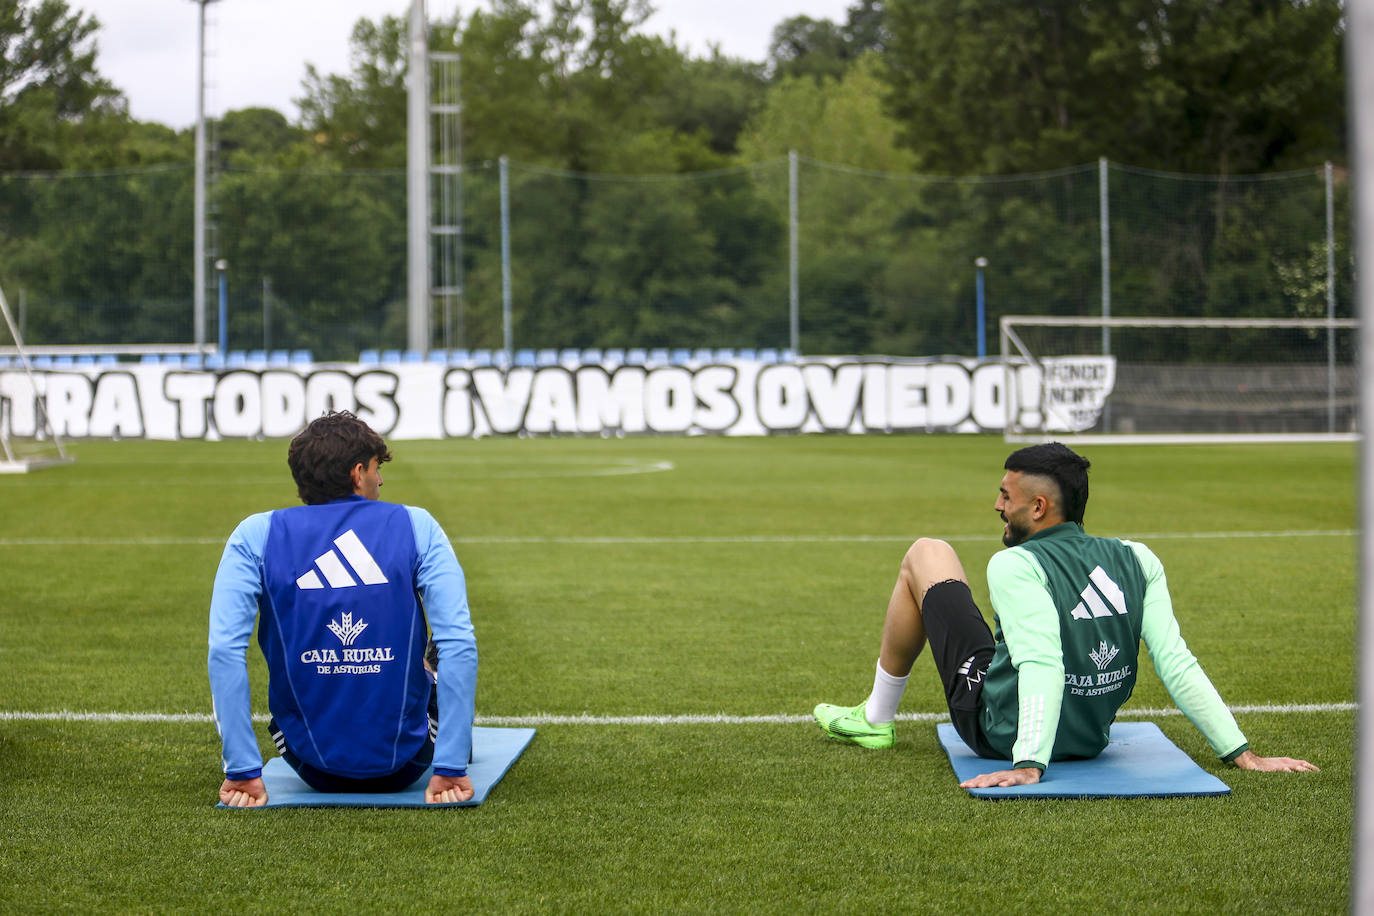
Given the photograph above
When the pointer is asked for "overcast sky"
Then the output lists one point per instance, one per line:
(258, 49)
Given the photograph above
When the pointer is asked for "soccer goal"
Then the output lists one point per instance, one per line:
(27, 438)
(1179, 379)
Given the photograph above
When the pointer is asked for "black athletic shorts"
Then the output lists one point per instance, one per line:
(961, 646)
(322, 781)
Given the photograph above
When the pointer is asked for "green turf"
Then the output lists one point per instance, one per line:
(749, 579)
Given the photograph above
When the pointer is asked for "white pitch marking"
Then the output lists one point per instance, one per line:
(688, 719)
(696, 539)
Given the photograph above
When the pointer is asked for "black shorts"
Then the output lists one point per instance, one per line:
(322, 781)
(961, 645)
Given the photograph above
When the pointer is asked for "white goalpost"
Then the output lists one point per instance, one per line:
(27, 438)
(1180, 380)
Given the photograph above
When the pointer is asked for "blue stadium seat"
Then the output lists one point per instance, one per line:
(370, 357)
(257, 357)
(391, 356)
(150, 358)
(703, 356)
(747, 353)
(725, 355)
(481, 358)
(524, 357)
(4, 361)
(591, 357)
(279, 358)
(107, 359)
(570, 356)
(546, 358)
(614, 356)
(787, 356)
(438, 356)
(680, 357)
(768, 355)
(85, 359)
(171, 359)
(636, 356)
(64, 359)
(41, 362)
(413, 356)
(658, 355)
(458, 357)
(192, 361)
(236, 359)
(302, 356)
(214, 360)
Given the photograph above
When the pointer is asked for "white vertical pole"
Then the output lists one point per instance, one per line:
(793, 257)
(198, 216)
(417, 180)
(1359, 56)
(507, 334)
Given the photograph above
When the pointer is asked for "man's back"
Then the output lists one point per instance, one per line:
(1070, 610)
(344, 636)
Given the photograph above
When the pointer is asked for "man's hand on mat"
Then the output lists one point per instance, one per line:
(445, 790)
(1025, 776)
(243, 793)
(1252, 761)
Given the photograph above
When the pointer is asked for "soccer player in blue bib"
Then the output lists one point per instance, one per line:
(347, 591)
(1070, 612)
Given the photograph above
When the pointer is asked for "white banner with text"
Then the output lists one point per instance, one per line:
(433, 401)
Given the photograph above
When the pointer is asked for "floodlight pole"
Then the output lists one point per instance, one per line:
(417, 180)
(198, 230)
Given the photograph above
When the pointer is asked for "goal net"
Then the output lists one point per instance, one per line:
(1179, 379)
(27, 438)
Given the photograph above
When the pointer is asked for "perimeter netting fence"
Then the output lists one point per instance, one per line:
(885, 262)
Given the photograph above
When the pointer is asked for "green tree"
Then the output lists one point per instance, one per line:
(48, 82)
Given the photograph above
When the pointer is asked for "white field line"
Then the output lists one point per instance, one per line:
(589, 719)
(694, 539)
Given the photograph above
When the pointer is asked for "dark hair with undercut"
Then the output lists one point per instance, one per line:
(1058, 462)
(323, 455)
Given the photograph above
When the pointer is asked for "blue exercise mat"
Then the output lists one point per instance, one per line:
(494, 752)
(1139, 762)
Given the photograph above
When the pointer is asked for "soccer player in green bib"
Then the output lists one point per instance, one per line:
(1070, 611)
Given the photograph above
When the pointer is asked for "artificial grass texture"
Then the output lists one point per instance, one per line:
(716, 587)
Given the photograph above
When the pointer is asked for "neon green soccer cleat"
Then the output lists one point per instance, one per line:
(847, 723)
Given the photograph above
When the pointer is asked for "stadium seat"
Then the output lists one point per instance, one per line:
(279, 358)
(41, 362)
(481, 358)
(703, 356)
(636, 356)
(236, 359)
(613, 356)
(64, 359)
(725, 355)
(787, 356)
(570, 357)
(658, 355)
(192, 361)
(747, 354)
(591, 357)
(150, 358)
(214, 360)
(413, 356)
(171, 359)
(257, 357)
(459, 357)
(107, 359)
(680, 357)
(391, 356)
(369, 357)
(768, 355)
(439, 356)
(546, 358)
(302, 356)
(524, 357)
(85, 359)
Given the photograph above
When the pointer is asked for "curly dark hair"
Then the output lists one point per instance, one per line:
(1058, 462)
(322, 456)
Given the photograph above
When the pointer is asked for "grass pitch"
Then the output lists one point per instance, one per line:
(647, 584)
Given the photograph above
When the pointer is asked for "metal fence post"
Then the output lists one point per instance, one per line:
(1330, 301)
(506, 333)
(1104, 218)
(793, 294)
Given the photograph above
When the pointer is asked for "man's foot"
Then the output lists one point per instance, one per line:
(847, 723)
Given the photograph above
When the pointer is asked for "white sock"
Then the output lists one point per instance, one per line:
(881, 707)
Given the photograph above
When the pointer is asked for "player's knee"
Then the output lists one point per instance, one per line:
(927, 551)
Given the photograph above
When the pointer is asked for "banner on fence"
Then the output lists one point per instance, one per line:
(432, 401)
